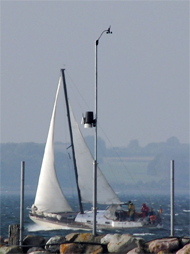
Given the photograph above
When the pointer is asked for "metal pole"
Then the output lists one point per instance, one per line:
(95, 143)
(96, 131)
(22, 203)
(172, 197)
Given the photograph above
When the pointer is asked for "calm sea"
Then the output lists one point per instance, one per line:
(10, 214)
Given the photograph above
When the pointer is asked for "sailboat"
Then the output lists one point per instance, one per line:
(51, 208)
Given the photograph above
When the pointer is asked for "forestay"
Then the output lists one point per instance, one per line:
(84, 160)
(49, 196)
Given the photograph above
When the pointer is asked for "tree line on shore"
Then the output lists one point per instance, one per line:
(32, 153)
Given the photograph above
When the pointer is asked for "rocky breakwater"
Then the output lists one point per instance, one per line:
(81, 243)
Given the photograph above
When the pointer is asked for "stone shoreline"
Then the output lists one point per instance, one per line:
(81, 243)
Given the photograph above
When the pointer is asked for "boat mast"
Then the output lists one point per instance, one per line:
(71, 137)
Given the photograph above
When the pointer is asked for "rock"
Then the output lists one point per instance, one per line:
(88, 237)
(106, 239)
(184, 250)
(33, 249)
(93, 249)
(165, 244)
(11, 250)
(185, 240)
(85, 248)
(53, 244)
(71, 237)
(72, 248)
(85, 237)
(164, 252)
(1, 240)
(6, 241)
(33, 241)
(136, 251)
(40, 252)
(124, 243)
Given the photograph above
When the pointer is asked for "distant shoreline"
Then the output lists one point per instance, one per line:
(128, 192)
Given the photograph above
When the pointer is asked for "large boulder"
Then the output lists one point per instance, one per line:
(70, 248)
(14, 249)
(164, 244)
(185, 240)
(165, 252)
(124, 243)
(184, 250)
(138, 251)
(78, 248)
(40, 252)
(106, 239)
(34, 249)
(33, 241)
(71, 237)
(90, 249)
(88, 237)
(53, 244)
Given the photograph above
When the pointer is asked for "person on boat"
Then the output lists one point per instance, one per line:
(158, 218)
(152, 216)
(144, 210)
(34, 209)
(151, 212)
(131, 208)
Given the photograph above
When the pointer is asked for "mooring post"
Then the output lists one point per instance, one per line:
(13, 234)
(172, 197)
(22, 203)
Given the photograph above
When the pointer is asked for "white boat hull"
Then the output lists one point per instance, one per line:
(103, 222)
(85, 222)
(46, 222)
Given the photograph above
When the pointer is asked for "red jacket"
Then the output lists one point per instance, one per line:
(144, 210)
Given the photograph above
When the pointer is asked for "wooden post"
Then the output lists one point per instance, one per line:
(13, 235)
(172, 198)
(22, 203)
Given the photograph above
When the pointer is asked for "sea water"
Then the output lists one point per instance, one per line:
(10, 214)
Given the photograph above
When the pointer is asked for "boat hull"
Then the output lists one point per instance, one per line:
(85, 222)
(47, 222)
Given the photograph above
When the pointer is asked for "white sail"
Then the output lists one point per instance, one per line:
(84, 160)
(49, 196)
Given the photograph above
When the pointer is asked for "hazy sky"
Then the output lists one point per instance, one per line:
(143, 67)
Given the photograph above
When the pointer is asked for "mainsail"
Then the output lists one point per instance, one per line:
(49, 196)
(84, 160)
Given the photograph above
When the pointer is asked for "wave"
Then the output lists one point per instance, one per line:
(35, 227)
(143, 234)
(186, 211)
